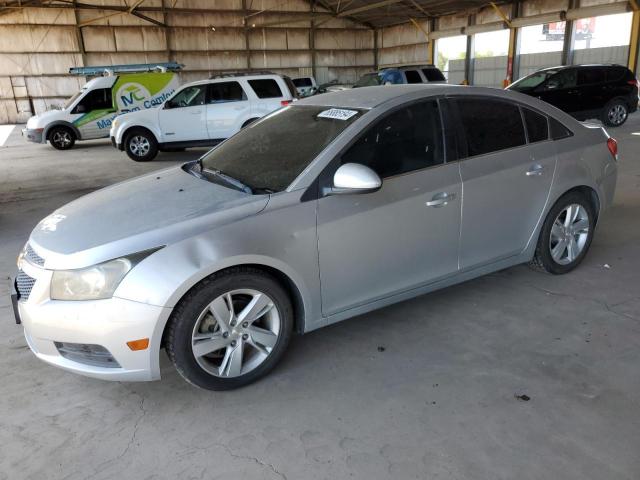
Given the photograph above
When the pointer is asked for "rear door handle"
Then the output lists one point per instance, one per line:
(535, 170)
(441, 199)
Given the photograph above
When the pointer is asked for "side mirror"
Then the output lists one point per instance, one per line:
(168, 105)
(353, 178)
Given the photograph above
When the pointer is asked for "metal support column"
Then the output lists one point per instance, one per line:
(569, 31)
(468, 59)
(312, 41)
(635, 38)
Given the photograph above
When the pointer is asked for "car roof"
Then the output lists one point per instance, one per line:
(234, 78)
(371, 97)
(585, 65)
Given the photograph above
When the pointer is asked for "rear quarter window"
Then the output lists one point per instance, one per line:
(266, 88)
(537, 125)
(433, 75)
(558, 130)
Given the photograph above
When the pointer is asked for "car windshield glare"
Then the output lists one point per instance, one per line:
(533, 80)
(269, 154)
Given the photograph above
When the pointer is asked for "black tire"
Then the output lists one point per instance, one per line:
(615, 113)
(178, 334)
(61, 137)
(248, 122)
(543, 259)
(141, 145)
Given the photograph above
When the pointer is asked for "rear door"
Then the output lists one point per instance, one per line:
(506, 182)
(592, 86)
(227, 107)
(184, 116)
(269, 96)
(405, 234)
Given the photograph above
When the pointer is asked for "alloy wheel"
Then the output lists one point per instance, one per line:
(235, 333)
(569, 234)
(617, 114)
(61, 138)
(139, 145)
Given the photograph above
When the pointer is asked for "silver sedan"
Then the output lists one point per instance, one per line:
(335, 206)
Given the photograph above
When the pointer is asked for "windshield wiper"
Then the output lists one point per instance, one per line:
(234, 182)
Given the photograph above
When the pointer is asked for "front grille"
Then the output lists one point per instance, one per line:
(33, 257)
(94, 355)
(24, 284)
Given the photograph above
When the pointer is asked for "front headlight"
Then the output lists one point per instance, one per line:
(93, 283)
(115, 123)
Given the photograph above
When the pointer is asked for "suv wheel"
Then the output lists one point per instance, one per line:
(566, 235)
(230, 330)
(62, 138)
(141, 145)
(615, 113)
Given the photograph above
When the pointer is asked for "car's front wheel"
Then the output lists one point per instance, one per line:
(62, 138)
(566, 235)
(616, 113)
(230, 330)
(141, 145)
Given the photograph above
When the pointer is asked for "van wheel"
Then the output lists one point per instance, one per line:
(615, 113)
(62, 138)
(565, 236)
(230, 329)
(141, 145)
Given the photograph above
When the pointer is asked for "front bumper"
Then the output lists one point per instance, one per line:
(108, 323)
(117, 145)
(33, 134)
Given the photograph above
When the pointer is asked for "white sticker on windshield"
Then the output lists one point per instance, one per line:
(337, 114)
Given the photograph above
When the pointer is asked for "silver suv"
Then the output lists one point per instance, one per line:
(332, 207)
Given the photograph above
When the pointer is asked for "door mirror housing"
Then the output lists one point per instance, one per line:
(354, 178)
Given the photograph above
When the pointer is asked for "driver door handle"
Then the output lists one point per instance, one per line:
(441, 199)
(535, 170)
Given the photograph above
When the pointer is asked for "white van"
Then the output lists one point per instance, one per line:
(89, 113)
(202, 113)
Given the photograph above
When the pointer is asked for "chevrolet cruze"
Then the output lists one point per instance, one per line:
(335, 206)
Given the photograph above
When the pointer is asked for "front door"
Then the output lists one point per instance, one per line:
(506, 181)
(405, 234)
(184, 116)
(561, 91)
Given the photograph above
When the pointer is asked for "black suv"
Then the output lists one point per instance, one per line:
(607, 92)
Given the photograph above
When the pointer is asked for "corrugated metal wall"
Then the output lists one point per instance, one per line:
(39, 45)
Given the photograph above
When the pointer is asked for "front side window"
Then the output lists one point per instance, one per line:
(537, 125)
(413, 76)
(490, 125)
(223, 92)
(302, 82)
(99, 99)
(188, 97)
(266, 88)
(406, 140)
(269, 154)
(532, 81)
(433, 75)
(562, 79)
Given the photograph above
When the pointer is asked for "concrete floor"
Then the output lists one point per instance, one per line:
(438, 401)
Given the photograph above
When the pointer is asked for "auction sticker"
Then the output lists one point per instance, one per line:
(337, 114)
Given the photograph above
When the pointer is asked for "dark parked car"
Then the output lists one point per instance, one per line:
(607, 92)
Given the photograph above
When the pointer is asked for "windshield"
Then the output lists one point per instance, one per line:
(73, 99)
(532, 81)
(369, 80)
(268, 155)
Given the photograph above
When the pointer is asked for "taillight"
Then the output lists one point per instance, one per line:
(612, 145)
(633, 82)
(284, 103)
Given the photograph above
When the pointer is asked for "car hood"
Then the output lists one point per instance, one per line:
(41, 120)
(146, 212)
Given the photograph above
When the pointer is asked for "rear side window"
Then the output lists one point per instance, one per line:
(433, 75)
(615, 74)
(225, 92)
(588, 76)
(537, 126)
(302, 82)
(490, 125)
(558, 131)
(266, 88)
(413, 76)
(405, 140)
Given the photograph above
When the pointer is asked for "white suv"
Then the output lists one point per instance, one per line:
(201, 113)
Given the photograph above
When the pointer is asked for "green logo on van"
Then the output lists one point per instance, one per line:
(133, 95)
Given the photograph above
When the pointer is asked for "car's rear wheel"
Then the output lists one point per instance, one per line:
(62, 138)
(141, 145)
(566, 235)
(615, 113)
(230, 330)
